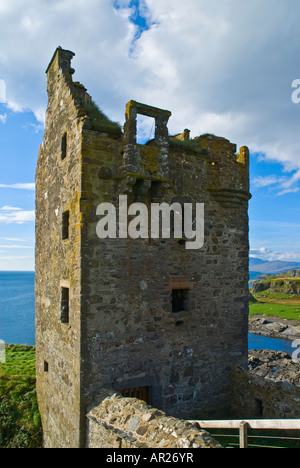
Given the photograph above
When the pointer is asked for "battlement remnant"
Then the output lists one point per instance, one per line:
(145, 317)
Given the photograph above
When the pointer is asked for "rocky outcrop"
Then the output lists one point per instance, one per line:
(277, 285)
(274, 327)
(275, 366)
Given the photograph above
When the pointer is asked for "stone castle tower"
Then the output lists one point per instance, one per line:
(146, 317)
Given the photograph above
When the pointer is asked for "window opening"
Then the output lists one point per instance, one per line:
(64, 144)
(180, 300)
(65, 225)
(141, 393)
(64, 317)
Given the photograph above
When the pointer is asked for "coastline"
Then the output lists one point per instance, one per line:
(274, 327)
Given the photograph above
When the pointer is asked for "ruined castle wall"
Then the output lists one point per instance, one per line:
(256, 397)
(58, 266)
(132, 337)
(104, 313)
(129, 423)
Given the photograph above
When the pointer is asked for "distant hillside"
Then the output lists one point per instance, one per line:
(289, 274)
(275, 285)
(257, 264)
(256, 261)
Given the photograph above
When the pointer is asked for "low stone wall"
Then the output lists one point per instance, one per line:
(269, 390)
(120, 422)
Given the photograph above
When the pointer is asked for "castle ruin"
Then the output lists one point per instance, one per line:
(147, 318)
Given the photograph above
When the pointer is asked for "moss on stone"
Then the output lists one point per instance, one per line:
(100, 121)
(192, 146)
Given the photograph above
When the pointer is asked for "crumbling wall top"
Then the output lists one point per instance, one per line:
(133, 108)
(134, 424)
(64, 59)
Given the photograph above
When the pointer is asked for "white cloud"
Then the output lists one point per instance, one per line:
(16, 263)
(3, 118)
(14, 257)
(261, 181)
(261, 251)
(15, 247)
(282, 185)
(10, 208)
(11, 215)
(289, 185)
(220, 67)
(273, 256)
(2, 92)
(12, 239)
(19, 186)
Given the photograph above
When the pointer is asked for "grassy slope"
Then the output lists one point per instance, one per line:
(274, 300)
(289, 312)
(20, 425)
(283, 305)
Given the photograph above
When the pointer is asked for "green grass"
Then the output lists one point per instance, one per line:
(290, 312)
(20, 360)
(20, 424)
(268, 294)
(193, 146)
(100, 121)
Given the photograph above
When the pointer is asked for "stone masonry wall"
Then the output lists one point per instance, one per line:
(132, 337)
(58, 262)
(129, 423)
(255, 397)
(121, 330)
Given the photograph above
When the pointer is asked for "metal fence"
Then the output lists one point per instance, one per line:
(243, 439)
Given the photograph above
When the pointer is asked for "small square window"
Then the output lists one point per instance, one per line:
(180, 299)
(65, 297)
(65, 225)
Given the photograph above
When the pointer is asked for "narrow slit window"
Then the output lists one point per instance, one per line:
(65, 301)
(46, 367)
(64, 146)
(180, 299)
(65, 225)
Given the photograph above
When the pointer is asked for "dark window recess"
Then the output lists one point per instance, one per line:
(141, 393)
(65, 225)
(46, 366)
(260, 408)
(64, 145)
(64, 315)
(180, 299)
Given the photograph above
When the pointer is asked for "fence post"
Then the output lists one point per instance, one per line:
(244, 434)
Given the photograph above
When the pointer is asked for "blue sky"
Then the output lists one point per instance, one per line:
(20, 138)
(221, 66)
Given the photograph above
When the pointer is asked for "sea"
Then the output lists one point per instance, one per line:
(17, 307)
(17, 311)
